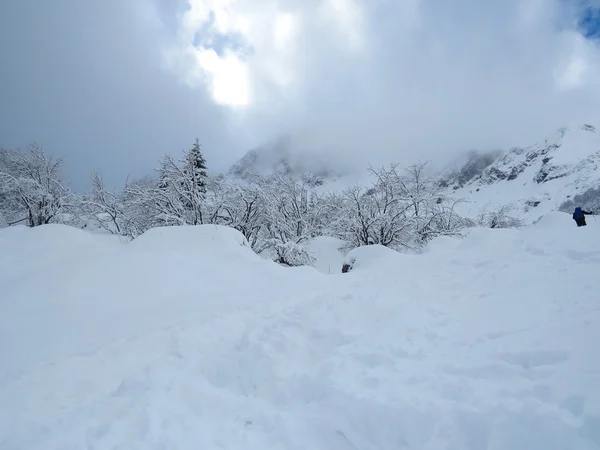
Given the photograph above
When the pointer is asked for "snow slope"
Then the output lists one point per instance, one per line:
(185, 339)
(539, 178)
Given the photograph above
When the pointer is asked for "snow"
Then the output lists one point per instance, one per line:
(185, 339)
(370, 256)
(328, 253)
(577, 144)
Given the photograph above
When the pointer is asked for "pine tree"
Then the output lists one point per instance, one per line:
(195, 167)
(181, 187)
(194, 182)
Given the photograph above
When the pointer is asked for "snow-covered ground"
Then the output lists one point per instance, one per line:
(184, 339)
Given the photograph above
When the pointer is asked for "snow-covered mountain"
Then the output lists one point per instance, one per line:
(291, 154)
(552, 174)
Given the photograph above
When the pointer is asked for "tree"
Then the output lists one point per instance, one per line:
(195, 168)
(108, 208)
(290, 217)
(238, 205)
(31, 187)
(181, 188)
(397, 210)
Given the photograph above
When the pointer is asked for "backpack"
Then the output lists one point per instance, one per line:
(578, 214)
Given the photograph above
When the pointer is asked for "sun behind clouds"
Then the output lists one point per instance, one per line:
(232, 46)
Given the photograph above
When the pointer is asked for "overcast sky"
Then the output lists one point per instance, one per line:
(114, 84)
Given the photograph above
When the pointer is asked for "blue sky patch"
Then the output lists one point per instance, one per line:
(208, 37)
(589, 23)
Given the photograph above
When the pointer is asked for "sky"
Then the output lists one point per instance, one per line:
(112, 85)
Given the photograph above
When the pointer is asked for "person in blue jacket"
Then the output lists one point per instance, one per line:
(579, 216)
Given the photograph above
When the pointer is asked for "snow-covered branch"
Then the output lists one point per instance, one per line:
(31, 187)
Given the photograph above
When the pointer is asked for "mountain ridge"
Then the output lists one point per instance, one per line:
(533, 179)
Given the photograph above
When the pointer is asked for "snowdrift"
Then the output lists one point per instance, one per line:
(74, 291)
(186, 340)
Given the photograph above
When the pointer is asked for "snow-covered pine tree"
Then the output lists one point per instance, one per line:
(195, 167)
(194, 182)
(181, 188)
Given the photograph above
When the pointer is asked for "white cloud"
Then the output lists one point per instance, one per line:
(273, 35)
(347, 18)
(284, 29)
(227, 78)
(398, 78)
(355, 81)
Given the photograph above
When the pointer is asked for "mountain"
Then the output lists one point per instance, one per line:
(291, 154)
(551, 174)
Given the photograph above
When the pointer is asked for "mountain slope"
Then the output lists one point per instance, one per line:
(560, 170)
(538, 178)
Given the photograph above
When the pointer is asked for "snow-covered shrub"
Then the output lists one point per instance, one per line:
(498, 218)
(291, 254)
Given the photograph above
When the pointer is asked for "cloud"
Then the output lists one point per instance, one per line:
(375, 80)
(88, 81)
(113, 84)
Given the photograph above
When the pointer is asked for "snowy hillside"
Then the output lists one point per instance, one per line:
(534, 179)
(185, 339)
(539, 178)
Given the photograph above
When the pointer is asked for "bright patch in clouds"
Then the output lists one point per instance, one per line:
(265, 35)
(580, 64)
(285, 27)
(347, 17)
(228, 77)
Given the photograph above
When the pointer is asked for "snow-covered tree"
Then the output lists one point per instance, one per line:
(143, 209)
(31, 187)
(107, 207)
(290, 217)
(238, 205)
(195, 168)
(181, 188)
(398, 210)
(431, 208)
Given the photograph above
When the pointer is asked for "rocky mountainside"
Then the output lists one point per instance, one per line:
(552, 174)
